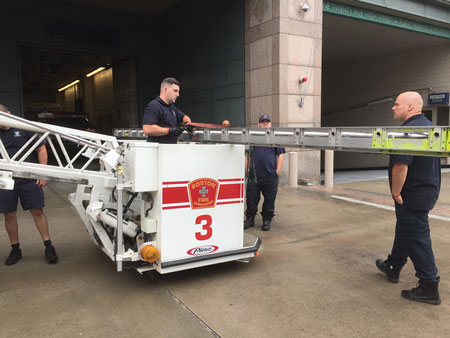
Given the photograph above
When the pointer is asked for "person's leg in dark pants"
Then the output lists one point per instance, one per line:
(253, 193)
(417, 242)
(399, 253)
(8, 207)
(392, 266)
(420, 250)
(269, 189)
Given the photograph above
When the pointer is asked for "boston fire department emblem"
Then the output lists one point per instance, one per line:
(203, 193)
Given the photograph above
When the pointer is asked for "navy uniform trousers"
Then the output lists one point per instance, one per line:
(412, 239)
(268, 186)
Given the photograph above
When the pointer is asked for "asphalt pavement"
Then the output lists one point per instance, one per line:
(315, 277)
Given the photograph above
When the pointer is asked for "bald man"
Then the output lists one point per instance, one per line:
(415, 183)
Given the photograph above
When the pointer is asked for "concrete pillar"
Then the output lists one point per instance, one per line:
(293, 174)
(329, 168)
(283, 43)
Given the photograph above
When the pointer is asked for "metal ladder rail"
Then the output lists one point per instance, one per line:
(99, 146)
(426, 141)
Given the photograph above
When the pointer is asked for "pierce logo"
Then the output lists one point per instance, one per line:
(203, 193)
(202, 250)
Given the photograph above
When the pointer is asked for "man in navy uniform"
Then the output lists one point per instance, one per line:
(161, 116)
(415, 184)
(29, 191)
(264, 167)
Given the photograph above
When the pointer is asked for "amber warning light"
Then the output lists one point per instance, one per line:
(148, 252)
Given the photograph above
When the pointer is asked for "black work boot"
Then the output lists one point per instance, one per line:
(392, 273)
(266, 224)
(14, 256)
(249, 222)
(267, 218)
(425, 292)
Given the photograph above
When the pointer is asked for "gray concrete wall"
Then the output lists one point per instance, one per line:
(202, 45)
(368, 80)
(104, 100)
(148, 65)
(125, 91)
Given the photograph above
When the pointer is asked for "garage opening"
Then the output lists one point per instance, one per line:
(78, 89)
(366, 65)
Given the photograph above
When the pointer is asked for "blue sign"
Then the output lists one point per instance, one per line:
(438, 98)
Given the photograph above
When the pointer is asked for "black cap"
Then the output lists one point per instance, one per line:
(264, 118)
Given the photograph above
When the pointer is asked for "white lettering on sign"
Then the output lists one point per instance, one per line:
(437, 96)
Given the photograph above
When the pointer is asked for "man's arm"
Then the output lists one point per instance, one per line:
(150, 121)
(155, 130)
(43, 159)
(280, 160)
(399, 172)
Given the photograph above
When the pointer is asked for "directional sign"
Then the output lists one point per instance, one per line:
(438, 98)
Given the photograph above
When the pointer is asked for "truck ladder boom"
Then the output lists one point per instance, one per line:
(91, 146)
(425, 141)
(96, 146)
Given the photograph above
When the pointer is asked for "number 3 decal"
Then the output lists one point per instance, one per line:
(206, 221)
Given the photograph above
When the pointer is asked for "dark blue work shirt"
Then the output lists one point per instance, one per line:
(264, 161)
(423, 181)
(164, 115)
(13, 139)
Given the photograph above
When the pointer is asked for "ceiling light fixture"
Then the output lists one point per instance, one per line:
(98, 70)
(69, 85)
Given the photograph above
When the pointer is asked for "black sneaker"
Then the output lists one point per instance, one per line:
(14, 256)
(424, 293)
(50, 255)
(392, 273)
